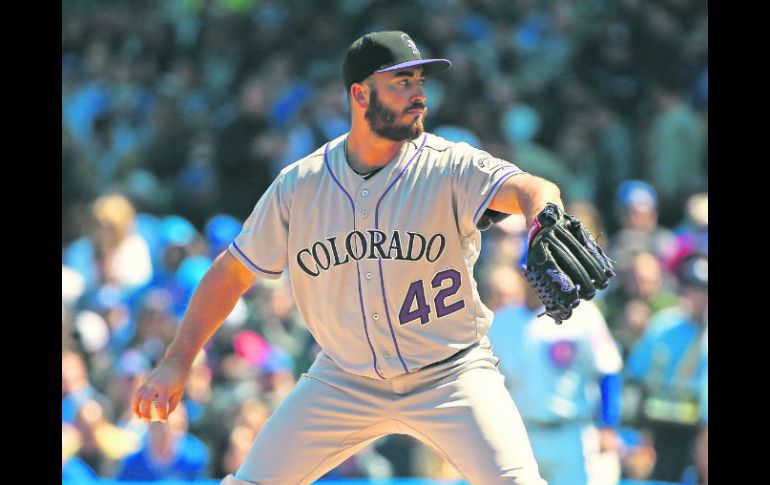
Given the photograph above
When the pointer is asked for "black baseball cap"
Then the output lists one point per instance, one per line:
(385, 51)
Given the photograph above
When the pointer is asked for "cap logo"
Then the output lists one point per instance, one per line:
(410, 43)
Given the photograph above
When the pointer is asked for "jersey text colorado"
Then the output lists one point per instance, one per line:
(369, 244)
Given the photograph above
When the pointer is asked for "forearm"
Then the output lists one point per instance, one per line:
(527, 195)
(211, 303)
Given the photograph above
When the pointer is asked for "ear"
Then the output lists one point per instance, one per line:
(359, 93)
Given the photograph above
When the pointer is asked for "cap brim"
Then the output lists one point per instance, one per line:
(431, 66)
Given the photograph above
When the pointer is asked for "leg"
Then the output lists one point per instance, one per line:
(560, 453)
(471, 420)
(313, 430)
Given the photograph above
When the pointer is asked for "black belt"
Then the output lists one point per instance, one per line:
(454, 356)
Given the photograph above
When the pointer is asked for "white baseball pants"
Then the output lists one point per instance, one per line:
(460, 408)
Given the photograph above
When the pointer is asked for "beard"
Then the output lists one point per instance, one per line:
(382, 121)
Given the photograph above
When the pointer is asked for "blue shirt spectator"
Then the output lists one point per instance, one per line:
(565, 383)
(168, 452)
(188, 462)
(668, 370)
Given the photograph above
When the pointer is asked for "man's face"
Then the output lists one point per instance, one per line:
(397, 105)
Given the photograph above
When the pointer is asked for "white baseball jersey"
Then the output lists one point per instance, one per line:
(553, 371)
(381, 268)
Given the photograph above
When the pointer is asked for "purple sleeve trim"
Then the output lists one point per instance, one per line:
(493, 191)
(251, 263)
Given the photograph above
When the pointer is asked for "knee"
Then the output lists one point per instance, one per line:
(231, 480)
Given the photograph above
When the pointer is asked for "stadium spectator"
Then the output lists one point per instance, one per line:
(588, 214)
(176, 104)
(73, 469)
(112, 252)
(692, 234)
(103, 443)
(665, 371)
(520, 124)
(240, 166)
(168, 452)
(155, 324)
(698, 473)
(76, 389)
(219, 232)
(238, 447)
(637, 208)
(554, 374)
(610, 154)
(127, 372)
(230, 443)
(282, 327)
(501, 291)
(196, 189)
(637, 455)
(644, 288)
(628, 327)
(678, 145)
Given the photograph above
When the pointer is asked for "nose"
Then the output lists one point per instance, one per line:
(419, 94)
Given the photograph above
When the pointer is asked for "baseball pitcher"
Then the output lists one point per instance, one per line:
(379, 232)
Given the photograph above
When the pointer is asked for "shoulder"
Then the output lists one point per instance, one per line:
(451, 149)
(461, 157)
(435, 143)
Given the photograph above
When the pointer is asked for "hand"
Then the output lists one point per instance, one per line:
(564, 263)
(164, 385)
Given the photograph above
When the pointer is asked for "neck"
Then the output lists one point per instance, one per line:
(366, 151)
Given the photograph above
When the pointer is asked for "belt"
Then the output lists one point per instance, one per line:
(454, 356)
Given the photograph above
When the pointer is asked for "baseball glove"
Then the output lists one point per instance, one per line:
(564, 263)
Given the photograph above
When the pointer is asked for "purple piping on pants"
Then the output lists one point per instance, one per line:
(382, 276)
(252, 263)
(493, 190)
(360, 294)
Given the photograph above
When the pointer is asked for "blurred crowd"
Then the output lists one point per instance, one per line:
(177, 115)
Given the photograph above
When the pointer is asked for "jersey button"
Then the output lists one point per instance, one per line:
(364, 214)
(387, 355)
(368, 276)
(376, 316)
(365, 193)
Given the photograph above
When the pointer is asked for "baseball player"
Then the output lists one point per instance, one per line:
(566, 383)
(378, 230)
